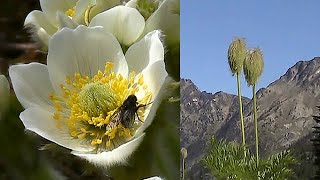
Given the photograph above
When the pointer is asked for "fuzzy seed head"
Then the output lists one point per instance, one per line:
(184, 153)
(236, 55)
(253, 66)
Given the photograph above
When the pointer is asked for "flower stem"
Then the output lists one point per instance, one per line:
(255, 121)
(241, 115)
(183, 169)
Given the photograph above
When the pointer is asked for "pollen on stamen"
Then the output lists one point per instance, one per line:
(140, 79)
(147, 97)
(83, 130)
(108, 67)
(82, 135)
(108, 144)
(131, 77)
(56, 116)
(74, 133)
(96, 141)
(70, 12)
(58, 106)
(68, 80)
(52, 97)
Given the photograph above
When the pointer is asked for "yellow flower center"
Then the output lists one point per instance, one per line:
(92, 107)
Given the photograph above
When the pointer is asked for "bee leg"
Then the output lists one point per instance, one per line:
(141, 105)
(138, 117)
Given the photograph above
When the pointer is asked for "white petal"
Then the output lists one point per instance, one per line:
(42, 37)
(81, 7)
(154, 76)
(32, 85)
(85, 51)
(40, 26)
(103, 5)
(153, 178)
(65, 21)
(145, 52)
(39, 20)
(163, 94)
(41, 122)
(125, 23)
(50, 8)
(166, 18)
(96, 7)
(116, 156)
(132, 3)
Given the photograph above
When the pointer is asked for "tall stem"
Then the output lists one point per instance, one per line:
(241, 115)
(255, 121)
(183, 169)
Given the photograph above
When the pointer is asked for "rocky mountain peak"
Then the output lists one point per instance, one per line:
(303, 72)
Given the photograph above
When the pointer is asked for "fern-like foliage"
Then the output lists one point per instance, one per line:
(226, 160)
(316, 144)
(277, 166)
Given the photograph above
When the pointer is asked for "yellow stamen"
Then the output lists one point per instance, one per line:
(70, 12)
(56, 116)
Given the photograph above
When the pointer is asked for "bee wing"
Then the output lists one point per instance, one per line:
(128, 118)
(115, 118)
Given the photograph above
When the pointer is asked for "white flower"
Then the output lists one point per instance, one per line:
(73, 100)
(166, 18)
(57, 14)
(125, 23)
(128, 25)
(4, 94)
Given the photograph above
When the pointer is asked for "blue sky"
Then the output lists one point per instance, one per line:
(287, 31)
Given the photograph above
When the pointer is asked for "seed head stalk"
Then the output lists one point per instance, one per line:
(241, 114)
(253, 67)
(255, 121)
(236, 56)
